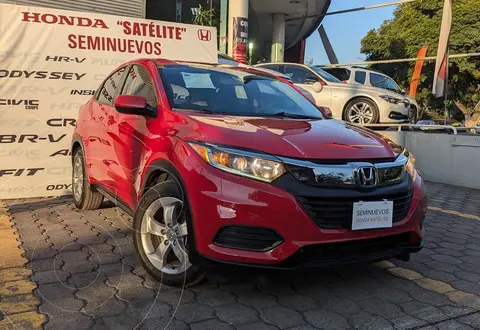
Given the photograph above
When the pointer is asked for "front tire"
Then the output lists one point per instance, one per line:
(83, 196)
(361, 111)
(161, 236)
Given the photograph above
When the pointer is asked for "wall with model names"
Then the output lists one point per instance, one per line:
(51, 62)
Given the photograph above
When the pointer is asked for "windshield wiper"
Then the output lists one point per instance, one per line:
(291, 115)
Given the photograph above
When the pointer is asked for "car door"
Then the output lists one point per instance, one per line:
(98, 139)
(305, 78)
(129, 133)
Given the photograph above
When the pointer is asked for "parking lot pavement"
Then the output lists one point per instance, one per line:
(86, 275)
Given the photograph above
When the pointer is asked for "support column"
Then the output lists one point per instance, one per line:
(278, 38)
(238, 30)
(332, 57)
(223, 25)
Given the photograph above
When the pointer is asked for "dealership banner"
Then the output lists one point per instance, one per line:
(51, 62)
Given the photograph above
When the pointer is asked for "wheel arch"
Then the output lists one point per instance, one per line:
(154, 170)
(76, 144)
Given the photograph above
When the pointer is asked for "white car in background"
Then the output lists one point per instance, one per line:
(368, 77)
(352, 103)
(227, 60)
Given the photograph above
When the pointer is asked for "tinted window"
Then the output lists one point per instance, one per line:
(384, 82)
(377, 80)
(325, 75)
(342, 74)
(232, 92)
(298, 75)
(110, 87)
(270, 67)
(138, 83)
(360, 77)
(390, 84)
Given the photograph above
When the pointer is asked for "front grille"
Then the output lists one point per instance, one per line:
(336, 213)
(247, 238)
(330, 254)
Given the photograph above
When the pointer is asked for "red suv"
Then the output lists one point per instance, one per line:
(228, 165)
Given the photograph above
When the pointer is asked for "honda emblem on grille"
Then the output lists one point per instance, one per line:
(204, 35)
(367, 176)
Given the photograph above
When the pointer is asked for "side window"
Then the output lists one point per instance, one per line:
(297, 74)
(138, 83)
(377, 80)
(270, 67)
(109, 89)
(360, 77)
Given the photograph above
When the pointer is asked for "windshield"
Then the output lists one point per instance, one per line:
(325, 75)
(232, 92)
(384, 82)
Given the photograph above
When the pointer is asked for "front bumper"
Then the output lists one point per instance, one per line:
(323, 256)
(394, 113)
(218, 199)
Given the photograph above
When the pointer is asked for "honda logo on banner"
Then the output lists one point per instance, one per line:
(204, 35)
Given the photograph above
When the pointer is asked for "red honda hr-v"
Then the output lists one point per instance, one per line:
(232, 165)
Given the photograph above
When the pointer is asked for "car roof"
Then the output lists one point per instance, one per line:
(280, 63)
(357, 68)
(242, 69)
(367, 69)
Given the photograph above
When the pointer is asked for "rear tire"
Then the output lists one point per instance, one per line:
(83, 196)
(161, 236)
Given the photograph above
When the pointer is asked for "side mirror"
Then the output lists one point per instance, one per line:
(133, 105)
(403, 92)
(317, 87)
(310, 80)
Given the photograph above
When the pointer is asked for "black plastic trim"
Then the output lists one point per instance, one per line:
(114, 199)
(297, 188)
(207, 262)
(243, 237)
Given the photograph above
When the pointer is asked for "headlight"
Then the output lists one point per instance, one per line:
(410, 166)
(390, 99)
(239, 162)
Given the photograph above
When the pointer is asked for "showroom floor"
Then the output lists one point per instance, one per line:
(86, 275)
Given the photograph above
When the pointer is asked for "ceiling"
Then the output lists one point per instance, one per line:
(295, 30)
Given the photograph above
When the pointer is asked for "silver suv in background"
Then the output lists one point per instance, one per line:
(352, 103)
(227, 60)
(368, 77)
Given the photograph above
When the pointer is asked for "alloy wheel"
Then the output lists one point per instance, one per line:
(361, 113)
(164, 238)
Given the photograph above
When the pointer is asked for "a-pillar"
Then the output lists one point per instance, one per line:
(278, 38)
(238, 30)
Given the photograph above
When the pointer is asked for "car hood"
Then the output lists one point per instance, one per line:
(307, 139)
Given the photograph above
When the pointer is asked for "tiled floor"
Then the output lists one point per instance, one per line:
(88, 276)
